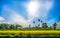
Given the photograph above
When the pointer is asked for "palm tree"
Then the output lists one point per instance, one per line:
(33, 22)
(1, 26)
(50, 27)
(54, 25)
(38, 26)
(6, 26)
(44, 25)
(29, 26)
(39, 22)
(18, 26)
(12, 26)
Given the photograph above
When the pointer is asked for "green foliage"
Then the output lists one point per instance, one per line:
(44, 25)
(54, 26)
(4, 26)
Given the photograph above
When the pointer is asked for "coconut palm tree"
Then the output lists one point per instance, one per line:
(39, 22)
(33, 22)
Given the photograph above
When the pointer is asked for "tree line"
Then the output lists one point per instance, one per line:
(5, 26)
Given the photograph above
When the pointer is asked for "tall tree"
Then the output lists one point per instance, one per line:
(1, 27)
(18, 26)
(50, 27)
(54, 25)
(44, 25)
(29, 26)
(38, 20)
(39, 23)
(11, 26)
(34, 22)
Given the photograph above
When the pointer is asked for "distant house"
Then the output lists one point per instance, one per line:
(58, 25)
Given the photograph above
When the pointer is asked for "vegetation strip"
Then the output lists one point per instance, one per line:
(37, 32)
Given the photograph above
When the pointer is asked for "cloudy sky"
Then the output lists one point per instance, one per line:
(24, 12)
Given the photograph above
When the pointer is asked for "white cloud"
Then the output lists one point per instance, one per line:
(1, 19)
(17, 18)
(14, 17)
(34, 9)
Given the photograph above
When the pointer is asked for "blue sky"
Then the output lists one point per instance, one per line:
(26, 11)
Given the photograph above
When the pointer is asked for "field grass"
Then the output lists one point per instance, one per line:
(30, 32)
